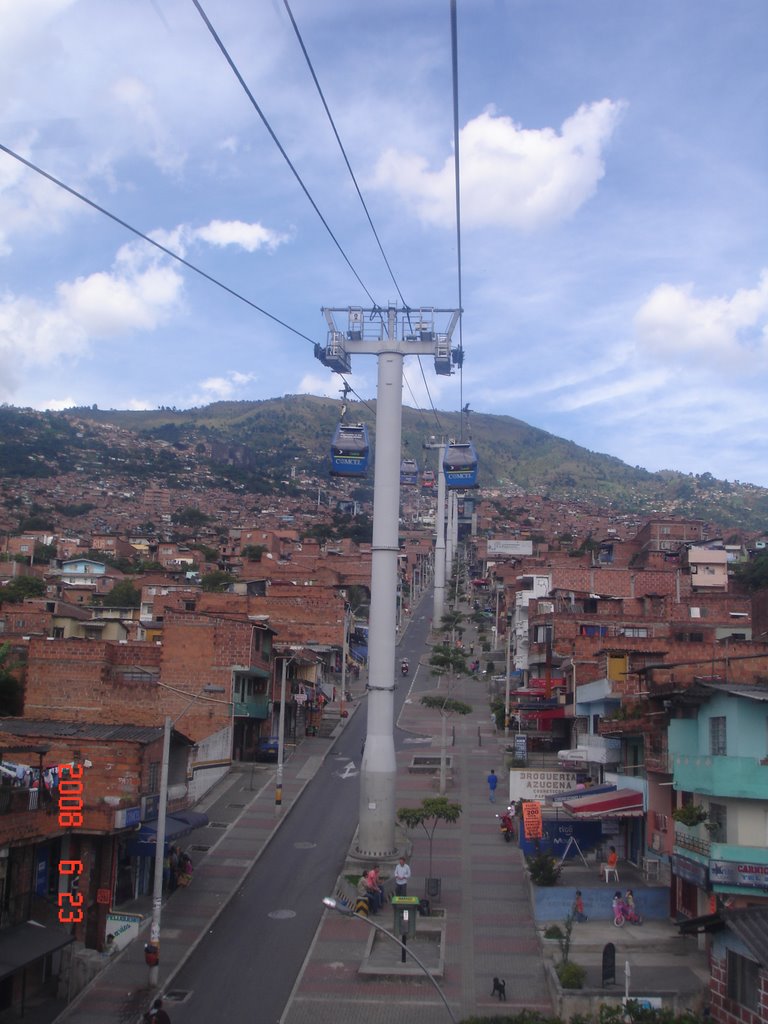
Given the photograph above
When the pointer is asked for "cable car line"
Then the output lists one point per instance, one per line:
(457, 182)
(140, 234)
(341, 147)
(277, 142)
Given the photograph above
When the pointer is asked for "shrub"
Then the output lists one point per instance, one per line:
(571, 975)
(543, 869)
(554, 931)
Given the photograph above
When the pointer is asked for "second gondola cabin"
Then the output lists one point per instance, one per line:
(350, 450)
(427, 480)
(409, 473)
(460, 465)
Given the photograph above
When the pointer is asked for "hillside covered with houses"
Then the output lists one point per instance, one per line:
(630, 647)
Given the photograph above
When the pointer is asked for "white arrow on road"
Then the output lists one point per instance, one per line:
(349, 771)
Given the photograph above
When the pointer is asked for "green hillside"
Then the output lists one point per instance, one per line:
(254, 445)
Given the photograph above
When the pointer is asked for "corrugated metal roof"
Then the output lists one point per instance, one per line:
(735, 690)
(84, 730)
(751, 926)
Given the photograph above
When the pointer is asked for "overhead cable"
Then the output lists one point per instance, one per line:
(277, 142)
(140, 234)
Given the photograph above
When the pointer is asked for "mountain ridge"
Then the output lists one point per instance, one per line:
(253, 445)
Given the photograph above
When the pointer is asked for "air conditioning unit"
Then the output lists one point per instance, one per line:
(656, 842)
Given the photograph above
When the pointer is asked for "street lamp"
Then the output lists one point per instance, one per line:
(153, 948)
(342, 908)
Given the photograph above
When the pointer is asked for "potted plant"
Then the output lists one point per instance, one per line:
(690, 815)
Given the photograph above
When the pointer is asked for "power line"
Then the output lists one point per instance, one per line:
(140, 234)
(341, 147)
(277, 142)
(457, 179)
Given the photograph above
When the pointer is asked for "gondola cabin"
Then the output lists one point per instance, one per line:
(409, 473)
(460, 465)
(350, 450)
(427, 480)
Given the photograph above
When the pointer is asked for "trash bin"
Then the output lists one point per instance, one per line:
(424, 907)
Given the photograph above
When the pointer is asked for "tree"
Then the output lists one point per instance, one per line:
(21, 587)
(123, 595)
(11, 689)
(428, 815)
(216, 582)
(253, 552)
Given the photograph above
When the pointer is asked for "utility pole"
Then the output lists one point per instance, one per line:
(438, 600)
(390, 335)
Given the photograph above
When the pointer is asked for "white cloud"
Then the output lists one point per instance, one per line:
(236, 232)
(57, 404)
(99, 307)
(719, 330)
(510, 176)
(225, 386)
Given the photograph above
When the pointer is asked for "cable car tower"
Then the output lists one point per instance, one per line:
(390, 334)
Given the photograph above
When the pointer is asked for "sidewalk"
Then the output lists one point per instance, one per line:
(487, 908)
(486, 905)
(243, 805)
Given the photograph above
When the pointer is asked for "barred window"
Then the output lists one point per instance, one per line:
(717, 744)
(743, 980)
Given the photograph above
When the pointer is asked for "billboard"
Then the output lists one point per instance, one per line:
(515, 548)
(528, 784)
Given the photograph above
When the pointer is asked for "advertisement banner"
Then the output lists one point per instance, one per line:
(532, 820)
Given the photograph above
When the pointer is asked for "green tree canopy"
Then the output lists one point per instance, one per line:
(123, 595)
(216, 582)
(754, 574)
(428, 815)
(21, 587)
(11, 689)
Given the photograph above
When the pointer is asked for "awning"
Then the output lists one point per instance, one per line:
(579, 794)
(26, 943)
(621, 803)
(177, 825)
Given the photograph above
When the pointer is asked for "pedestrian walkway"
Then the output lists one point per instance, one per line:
(485, 899)
(485, 905)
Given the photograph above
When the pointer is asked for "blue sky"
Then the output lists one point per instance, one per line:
(615, 222)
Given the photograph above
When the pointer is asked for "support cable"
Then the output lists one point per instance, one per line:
(277, 142)
(147, 238)
(457, 179)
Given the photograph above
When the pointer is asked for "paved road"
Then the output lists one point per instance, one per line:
(246, 966)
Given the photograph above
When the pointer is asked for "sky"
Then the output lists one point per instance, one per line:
(614, 213)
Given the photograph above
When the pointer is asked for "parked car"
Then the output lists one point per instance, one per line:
(266, 748)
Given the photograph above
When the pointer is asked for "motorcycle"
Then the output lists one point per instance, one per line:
(622, 913)
(507, 825)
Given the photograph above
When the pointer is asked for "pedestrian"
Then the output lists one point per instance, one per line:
(156, 1014)
(374, 888)
(173, 868)
(402, 874)
(578, 908)
(492, 783)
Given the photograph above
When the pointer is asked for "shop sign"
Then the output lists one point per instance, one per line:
(726, 872)
(690, 870)
(537, 785)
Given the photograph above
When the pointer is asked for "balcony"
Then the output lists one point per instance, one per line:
(634, 724)
(255, 707)
(712, 775)
(692, 839)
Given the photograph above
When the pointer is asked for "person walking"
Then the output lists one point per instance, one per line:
(578, 908)
(156, 1015)
(492, 783)
(402, 874)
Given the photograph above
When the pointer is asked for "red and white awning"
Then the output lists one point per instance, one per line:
(621, 803)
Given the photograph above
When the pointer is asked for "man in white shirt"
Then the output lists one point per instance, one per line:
(402, 874)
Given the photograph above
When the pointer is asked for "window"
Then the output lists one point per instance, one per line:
(717, 826)
(636, 631)
(743, 980)
(717, 745)
(154, 777)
